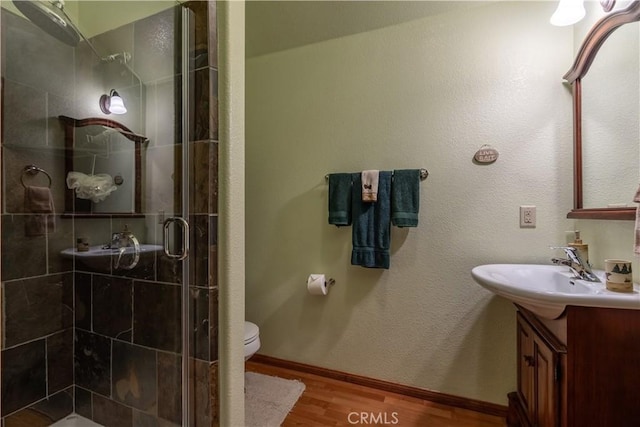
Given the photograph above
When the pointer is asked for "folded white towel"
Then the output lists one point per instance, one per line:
(370, 185)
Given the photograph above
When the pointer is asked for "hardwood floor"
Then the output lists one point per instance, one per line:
(329, 402)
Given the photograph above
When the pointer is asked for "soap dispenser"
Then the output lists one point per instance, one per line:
(583, 248)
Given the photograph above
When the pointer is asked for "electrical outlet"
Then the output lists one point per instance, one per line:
(527, 216)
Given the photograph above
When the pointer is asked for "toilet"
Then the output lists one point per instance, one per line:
(251, 339)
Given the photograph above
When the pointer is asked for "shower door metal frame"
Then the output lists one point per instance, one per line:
(187, 38)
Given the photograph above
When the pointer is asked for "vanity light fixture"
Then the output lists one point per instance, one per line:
(571, 11)
(112, 103)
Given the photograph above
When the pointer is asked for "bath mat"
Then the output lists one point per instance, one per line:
(268, 400)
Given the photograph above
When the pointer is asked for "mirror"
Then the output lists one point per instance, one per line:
(606, 129)
(103, 168)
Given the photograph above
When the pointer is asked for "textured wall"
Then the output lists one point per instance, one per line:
(427, 93)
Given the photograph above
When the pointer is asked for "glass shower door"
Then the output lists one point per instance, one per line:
(106, 311)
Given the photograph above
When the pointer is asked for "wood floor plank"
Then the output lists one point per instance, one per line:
(330, 402)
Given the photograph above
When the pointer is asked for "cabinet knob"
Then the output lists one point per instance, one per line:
(529, 360)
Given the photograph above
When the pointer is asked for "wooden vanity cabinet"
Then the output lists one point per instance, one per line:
(580, 370)
(541, 362)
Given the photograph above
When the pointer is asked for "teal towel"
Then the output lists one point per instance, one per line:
(405, 198)
(371, 224)
(340, 199)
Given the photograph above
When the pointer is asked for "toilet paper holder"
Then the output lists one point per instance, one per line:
(330, 282)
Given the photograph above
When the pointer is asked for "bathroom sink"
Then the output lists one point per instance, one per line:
(546, 290)
(99, 258)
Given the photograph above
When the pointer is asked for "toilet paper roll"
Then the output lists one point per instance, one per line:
(317, 285)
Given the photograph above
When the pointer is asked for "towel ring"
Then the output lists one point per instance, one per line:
(33, 170)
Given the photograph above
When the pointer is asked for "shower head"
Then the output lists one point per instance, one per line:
(50, 17)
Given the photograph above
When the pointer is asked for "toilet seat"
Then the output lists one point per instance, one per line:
(251, 332)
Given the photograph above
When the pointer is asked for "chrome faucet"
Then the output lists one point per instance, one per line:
(120, 241)
(580, 267)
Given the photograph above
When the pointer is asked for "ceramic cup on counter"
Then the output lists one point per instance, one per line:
(619, 277)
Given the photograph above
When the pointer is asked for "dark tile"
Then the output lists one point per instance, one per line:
(58, 240)
(96, 230)
(213, 178)
(83, 403)
(141, 419)
(213, 266)
(201, 119)
(156, 315)
(155, 45)
(21, 256)
(83, 301)
(214, 395)
(213, 34)
(145, 269)
(14, 159)
(23, 375)
(201, 415)
(88, 71)
(112, 303)
(37, 59)
(199, 243)
(169, 270)
(92, 362)
(160, 166)
(199, 311)
(134, 377)
(168, 103)
(113, 74)
(58, 106)
(199, 177)
(213, 104)
(213, 324)
(110, 413)
(213, 251)
(25, 115)
(200, 55)
(170, 384)
(37, 307)
(60, 361)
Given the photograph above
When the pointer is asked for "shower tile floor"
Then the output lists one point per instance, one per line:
(75, 420)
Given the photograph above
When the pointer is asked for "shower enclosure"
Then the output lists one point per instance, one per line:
(109, 213)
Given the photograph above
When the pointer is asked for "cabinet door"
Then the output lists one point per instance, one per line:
(546, 384)
(526, 363)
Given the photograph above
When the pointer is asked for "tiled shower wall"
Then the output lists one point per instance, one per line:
(37, 284)
(106, 342)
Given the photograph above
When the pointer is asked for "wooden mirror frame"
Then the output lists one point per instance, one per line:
(70, 124)
(587, 53)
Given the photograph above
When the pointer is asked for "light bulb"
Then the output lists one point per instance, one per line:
(568, 13)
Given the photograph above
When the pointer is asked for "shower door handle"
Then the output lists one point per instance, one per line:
(184, 226)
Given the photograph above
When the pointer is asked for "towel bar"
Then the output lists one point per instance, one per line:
(33, 170)
(423, 175)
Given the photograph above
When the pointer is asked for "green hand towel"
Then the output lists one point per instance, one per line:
(405, 197)
(340, 199)
(371, 224)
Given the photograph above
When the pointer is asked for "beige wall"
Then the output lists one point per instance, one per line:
(427, 93)
(231, 238)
